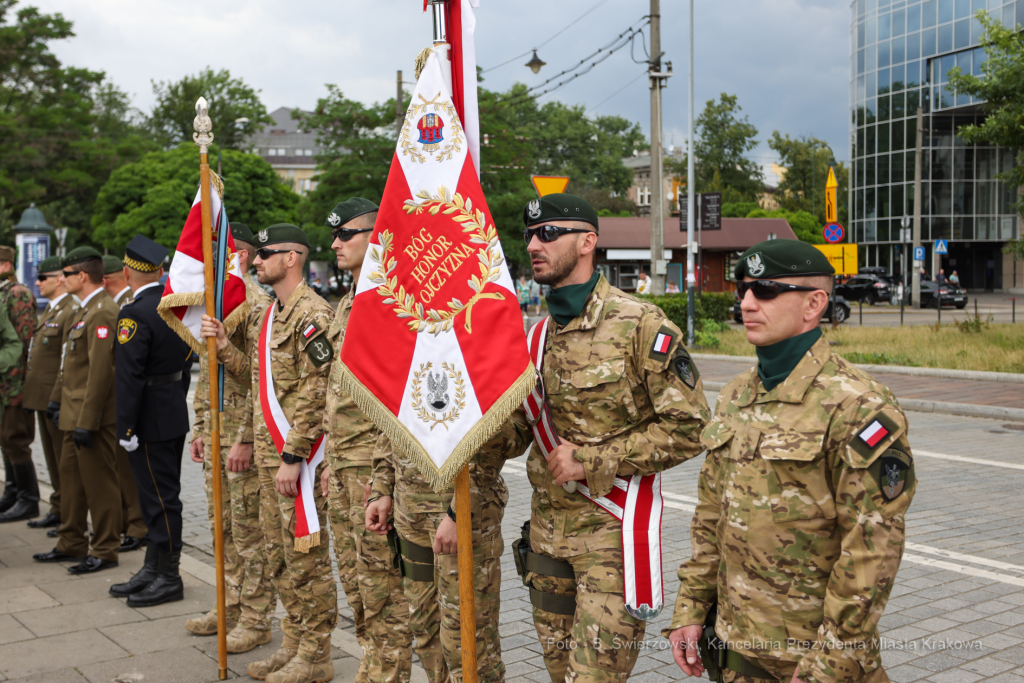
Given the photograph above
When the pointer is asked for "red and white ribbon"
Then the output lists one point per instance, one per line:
(306, 521)
(635, 501)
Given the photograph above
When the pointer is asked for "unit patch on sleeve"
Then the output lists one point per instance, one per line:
(125, 330)
(684, 368)
(319, 351)
(894, 472)
(102, 332)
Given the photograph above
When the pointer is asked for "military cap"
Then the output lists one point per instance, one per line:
(559, 207)
(241, 232)
(111, 264)
(782, 258)
(349, 209)
(50, 264)
(81, 255)
(280, 233)
(144, 255)
(7, 253)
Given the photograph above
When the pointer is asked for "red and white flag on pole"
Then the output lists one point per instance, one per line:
(435, 286)
(184, 299)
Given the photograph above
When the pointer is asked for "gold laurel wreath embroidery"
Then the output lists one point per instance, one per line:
(460, 396)
(446, 152)
(473, 221)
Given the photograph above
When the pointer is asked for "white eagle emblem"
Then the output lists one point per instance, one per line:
(437, 391)
(755, 266)
(263, 236)
(334, 219)
(533, 209)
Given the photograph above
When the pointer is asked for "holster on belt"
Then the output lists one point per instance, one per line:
(528, 562)
(717, 657)
(413, 561)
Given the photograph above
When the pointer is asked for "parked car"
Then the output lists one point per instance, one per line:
(867, 287)
(951, 295)
(842, 308)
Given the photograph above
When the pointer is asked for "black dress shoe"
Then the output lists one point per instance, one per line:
(92, 564)
(49, 520)
(131, 543)
(54, 556)
(52, 533)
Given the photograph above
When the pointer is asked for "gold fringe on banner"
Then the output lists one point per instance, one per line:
(307, 543)
(404, 443)
(196, 299)
(421, 61)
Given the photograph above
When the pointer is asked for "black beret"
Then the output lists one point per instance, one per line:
(50, 264)
(782, 258)
(111, 264)
(349, 209)
(81, 255)
(241, 232)
(144, 255)
(280, 233)
(559, 207)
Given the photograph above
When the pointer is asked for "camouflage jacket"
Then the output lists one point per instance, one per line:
(800, 525)
(17, 300)
(44, 354)
(622, 386)
(10, 348)
(298, 333)
(350, 434)
(233, 424)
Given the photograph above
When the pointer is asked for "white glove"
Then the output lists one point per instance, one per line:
(131, 444)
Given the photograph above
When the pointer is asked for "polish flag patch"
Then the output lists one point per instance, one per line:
(102, 332)
(873, 433)
(662, 343)
(309, 331)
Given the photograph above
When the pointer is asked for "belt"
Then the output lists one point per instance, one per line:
(737, 663)
(158, 380)
(415, 561)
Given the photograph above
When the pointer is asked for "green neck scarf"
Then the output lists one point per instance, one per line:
(566, 303)
(776, 361)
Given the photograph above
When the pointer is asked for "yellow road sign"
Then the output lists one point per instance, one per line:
(843, 257)
(831, 208)
(549, 184)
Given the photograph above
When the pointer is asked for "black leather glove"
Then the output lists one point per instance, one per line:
(53, 412)
(82, 438)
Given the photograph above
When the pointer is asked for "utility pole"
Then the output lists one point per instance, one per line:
(690, 205)
(399, 113)
(916, 292)
(658, 266)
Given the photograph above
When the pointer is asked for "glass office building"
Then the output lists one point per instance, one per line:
(900, 54)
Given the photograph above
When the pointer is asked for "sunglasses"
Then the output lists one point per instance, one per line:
(548, 233)
(345, 234)
(264, 254)
(42, 277)
(69, 273)
(765, 290)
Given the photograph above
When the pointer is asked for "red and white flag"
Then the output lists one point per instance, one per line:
(184, 299)
(435, 286)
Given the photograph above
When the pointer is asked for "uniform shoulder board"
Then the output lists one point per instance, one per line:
(317, 346)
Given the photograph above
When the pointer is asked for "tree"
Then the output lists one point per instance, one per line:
(805, 225)
(1002, 88)
(153, 196)
(229, 98)
(807, 160)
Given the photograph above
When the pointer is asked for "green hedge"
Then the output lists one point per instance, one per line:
(715, 306)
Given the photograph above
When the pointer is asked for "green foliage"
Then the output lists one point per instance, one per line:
(6, 223)
(229, 99)
(711, 308)
(807, 160)
(972, 324)
(806, 226)
(154, 195)
(878, 358)
(738, 209)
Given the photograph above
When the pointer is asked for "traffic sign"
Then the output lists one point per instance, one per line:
(843, 257)
(831, 207)
(833, 233)
(549, 184)
(941, 247)
(919, 253)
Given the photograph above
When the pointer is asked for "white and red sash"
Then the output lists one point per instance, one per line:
(307, 524)
(635, 501)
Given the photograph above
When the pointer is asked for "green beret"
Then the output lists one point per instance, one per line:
(111, 264)
(280, 233)
(349, 209)
(559, 207)
(241, 232)
(80, 255)
(50, 264)
(782, 258)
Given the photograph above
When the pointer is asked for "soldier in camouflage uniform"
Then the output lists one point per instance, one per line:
(300, 362)
(801, 522)
(372, 584)
(249, 595)
(625, 399)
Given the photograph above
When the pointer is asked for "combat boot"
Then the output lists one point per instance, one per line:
(10, 487)
(206, 625)
(243, 638)
(141, 578)
(27, 504)
(298, 670)
(265, 667)
(166, 587)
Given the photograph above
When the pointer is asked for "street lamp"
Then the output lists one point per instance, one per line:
(242, 120)
(535, 64)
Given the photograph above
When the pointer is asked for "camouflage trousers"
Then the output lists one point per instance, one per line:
(304, 581)
(249, 596)
(783, 673)
(601, 641)
(372, 584)
(424, 606)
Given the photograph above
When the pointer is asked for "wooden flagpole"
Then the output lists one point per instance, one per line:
(204, 137)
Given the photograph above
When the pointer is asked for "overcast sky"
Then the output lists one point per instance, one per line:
(787, 60)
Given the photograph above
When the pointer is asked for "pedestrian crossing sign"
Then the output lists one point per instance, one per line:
(941, 247)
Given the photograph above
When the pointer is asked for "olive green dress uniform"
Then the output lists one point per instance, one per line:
(85, 392)
(43, 368)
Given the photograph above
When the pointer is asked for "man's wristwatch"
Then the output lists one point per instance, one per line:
(289, 459)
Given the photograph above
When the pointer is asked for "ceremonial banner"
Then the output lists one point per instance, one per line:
(435, 352)
(184, 299)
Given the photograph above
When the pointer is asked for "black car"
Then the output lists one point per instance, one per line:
(842, 307)
(867, 287)
(951, 294)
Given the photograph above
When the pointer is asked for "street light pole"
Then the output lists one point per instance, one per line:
(690, 205)
(916, 292)
(658, 267)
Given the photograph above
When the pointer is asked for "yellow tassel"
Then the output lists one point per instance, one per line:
(421, 61)
(307, 543)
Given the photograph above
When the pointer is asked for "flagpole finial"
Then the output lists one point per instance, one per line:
(203, 125)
